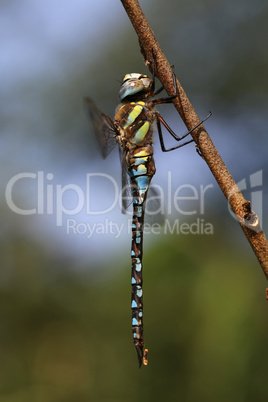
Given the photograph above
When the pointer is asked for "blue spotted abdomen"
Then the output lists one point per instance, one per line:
(141, 170)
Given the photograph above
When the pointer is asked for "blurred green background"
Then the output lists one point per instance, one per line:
(64, 298)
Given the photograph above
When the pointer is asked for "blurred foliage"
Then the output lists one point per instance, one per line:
(67, 336)
(218, 45)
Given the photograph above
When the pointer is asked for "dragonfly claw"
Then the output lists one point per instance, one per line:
(142, 356)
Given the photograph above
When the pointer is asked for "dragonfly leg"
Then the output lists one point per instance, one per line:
(160, 120)
(167, 99)
(153, 78)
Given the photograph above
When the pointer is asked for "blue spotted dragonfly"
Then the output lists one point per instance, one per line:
(132, 129)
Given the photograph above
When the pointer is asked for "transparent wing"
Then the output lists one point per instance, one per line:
(103, 127)
(126, 184)
(155, 208)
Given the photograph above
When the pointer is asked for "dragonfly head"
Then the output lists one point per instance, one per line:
(135, 85)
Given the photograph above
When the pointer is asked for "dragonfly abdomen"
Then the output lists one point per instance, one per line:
(141, 170)
(136, 280)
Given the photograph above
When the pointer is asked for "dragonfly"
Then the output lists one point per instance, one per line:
(132, 129)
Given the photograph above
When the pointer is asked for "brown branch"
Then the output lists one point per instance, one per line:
(247, 219)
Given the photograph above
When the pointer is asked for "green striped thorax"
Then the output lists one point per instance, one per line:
(135, 84)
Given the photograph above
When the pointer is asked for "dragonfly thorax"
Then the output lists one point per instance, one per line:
(135, 85)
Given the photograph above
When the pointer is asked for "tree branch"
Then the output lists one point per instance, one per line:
(247, 219)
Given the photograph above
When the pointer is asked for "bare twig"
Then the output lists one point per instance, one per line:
(247, 219)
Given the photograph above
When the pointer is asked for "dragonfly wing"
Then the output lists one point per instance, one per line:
(155, 209)
(103, 127)
(126, 184)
